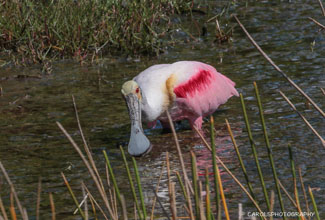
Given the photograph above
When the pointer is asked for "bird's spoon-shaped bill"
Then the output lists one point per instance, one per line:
(139, 143)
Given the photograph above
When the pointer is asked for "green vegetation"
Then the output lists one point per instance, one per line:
(38, 31)
(107, 201)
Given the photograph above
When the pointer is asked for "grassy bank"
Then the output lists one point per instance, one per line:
(36, 31)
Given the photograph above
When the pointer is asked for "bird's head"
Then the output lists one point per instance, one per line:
(131, 87)
(139, 143)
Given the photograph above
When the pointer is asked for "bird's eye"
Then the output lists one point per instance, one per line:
(137, 90)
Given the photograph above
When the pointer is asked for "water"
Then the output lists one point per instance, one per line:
(32, 145)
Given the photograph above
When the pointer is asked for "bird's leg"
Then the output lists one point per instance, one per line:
(166, 126)
(152, 124)
(197, 123)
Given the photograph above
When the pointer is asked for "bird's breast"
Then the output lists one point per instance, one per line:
(158, 98)
(169, 91)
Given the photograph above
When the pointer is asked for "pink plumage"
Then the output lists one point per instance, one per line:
(198, 91)
(203, 93)
(197, 83)
(188, 89)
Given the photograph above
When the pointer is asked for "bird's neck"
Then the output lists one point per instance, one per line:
(153, 104)
(146, 109)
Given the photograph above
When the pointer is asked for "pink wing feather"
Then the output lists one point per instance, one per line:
(205, 91)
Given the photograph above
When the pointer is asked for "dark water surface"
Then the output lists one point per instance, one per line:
(32, 145)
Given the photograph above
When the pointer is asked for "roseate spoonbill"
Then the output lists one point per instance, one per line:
(188, 89)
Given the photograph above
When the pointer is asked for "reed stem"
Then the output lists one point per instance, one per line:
(272, 204)
(316, 22)
(96, 203)
(303, 118)
(269, 150)
(202, 212)
(215, 168)
(52, 206)
(251, 140)
(131, 182)
(278, 68)
(230, 173)
(180, 156)
(155, 192)
(195, 186)
(181, 184)
(223, 198)
(207, 198)
(314, 203)
(170, 190)
(14, 193)
(139, 188)
(287, 194)
(124, 212)
(93, 209)
(90, 170)
(249, 184)
(72, 195)
(173, 200)
(293, 171)
(86, 147)
(3, 210)
(303, 190)
(322, 7)
(111, 173)
(12, 207)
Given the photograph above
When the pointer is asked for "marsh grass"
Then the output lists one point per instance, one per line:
(38, 31)
(107, 200)
(202, 208)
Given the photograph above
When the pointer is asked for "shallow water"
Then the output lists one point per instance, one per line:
(32, 145)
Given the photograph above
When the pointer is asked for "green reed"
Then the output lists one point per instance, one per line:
(251, 140)
(131, 182)
(180, 181)
(111, 173)
(195, 185)
(215, 171)
(106, 204)
(208, 214)
(294, 177)
(249, 184)
(314, 203)
(144, 212)
(268, 146)
(73, 196)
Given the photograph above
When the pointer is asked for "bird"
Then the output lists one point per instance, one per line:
(187, 89)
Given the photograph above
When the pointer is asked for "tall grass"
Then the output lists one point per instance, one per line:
(108, 200)
(35, 31)
(202, 208)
